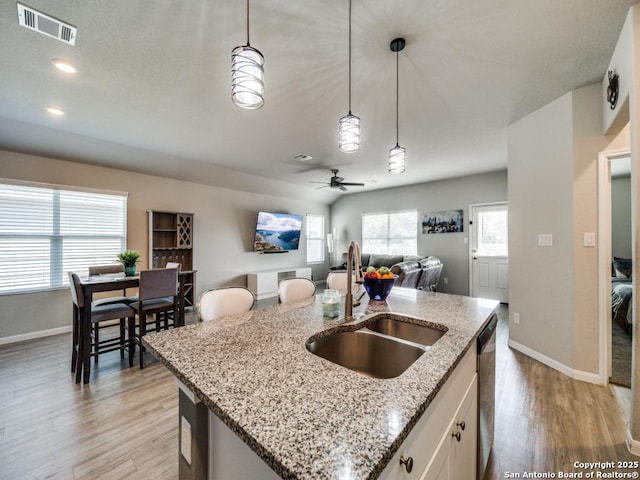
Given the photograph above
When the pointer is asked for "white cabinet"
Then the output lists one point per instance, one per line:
(432, 446)
(265, 284)
(455, 457)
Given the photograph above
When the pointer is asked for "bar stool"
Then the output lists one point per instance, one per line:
(219, 302)
(295, 289)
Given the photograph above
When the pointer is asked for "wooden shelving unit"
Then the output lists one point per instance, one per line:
(171, 240)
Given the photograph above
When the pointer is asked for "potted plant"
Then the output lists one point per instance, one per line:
(128, 259)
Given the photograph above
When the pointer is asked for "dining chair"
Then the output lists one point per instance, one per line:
(222, 301)
(295, 289)
(106, 270)
(158, 297)
(338, 281)
(174, 265)
(99, 313)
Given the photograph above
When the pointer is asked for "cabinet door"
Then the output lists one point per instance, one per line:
(438, 468)
(462, 454)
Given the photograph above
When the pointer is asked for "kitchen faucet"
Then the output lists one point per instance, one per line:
(353, 256)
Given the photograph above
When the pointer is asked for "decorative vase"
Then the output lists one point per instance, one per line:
(130, 271)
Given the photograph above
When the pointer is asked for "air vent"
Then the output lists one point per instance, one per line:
(49, 26)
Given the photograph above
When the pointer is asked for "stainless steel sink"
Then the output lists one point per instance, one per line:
(395, 327)
(371, 355)
(382, 347)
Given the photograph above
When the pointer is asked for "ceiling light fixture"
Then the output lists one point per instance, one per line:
(397, 154)
(349, 125)
(247, 75)
(55, 111)
(64, 65)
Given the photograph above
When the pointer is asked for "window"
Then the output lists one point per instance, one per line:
(492, 232)
(45, 232)
(315, 238)
(393, 233)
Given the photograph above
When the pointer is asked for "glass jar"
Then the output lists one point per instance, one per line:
(331, 303)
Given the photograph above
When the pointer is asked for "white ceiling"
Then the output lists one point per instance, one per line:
(153, 91)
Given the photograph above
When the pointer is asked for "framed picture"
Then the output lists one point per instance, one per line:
(447, 221)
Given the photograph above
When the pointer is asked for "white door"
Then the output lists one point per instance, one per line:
(489, 251)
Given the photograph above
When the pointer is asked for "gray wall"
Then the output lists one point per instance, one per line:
(553, 184)
(541, 202)
(458, 193)
(621, 217)
(224, 226)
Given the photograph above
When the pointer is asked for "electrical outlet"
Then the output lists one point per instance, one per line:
(516, 318)
(445, 280)
(185, 439)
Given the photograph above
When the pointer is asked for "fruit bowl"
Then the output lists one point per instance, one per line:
(379, 288)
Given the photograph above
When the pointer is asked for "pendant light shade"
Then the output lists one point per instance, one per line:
(396, 159)
(397, 162)
(349, 125)
(247, 75)
(349, 133)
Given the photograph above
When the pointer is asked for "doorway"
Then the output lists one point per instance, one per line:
(489, 254)
(615, 259)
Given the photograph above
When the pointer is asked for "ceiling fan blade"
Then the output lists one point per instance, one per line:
(353, 184)
(318, 188)
(343, 188)
(312, 181)
(338, 179)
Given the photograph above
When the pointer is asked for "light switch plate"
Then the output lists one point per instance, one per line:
(589, 239)
(545, 240)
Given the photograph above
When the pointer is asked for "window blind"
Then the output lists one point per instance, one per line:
(46, 232)
(393, 233)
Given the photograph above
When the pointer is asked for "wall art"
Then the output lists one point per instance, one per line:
(447, 221)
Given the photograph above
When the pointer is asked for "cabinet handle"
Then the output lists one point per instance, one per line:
(456, 435)
(407, 462)
(461, 425)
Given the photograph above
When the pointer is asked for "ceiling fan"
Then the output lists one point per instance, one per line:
(337, 182)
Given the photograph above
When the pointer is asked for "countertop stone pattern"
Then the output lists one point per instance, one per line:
(306, 417)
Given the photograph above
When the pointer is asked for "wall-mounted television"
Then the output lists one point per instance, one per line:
(277, 232)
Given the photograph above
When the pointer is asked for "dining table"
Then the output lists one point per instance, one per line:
(92, 284)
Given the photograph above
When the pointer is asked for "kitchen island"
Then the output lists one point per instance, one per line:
(301, 415)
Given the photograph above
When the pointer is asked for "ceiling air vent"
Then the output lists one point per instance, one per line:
(49, 26)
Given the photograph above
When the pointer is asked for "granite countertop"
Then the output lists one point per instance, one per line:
(305, 416)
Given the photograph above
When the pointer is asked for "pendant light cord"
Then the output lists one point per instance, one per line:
(397, 97)
(248, 44)
(349, 57)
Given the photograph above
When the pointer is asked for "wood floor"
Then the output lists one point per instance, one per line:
(123, 425)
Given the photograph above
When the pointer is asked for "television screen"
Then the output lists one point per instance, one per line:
(277, 232)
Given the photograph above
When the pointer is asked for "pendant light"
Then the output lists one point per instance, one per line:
(349, 125)
(397, 153)
(247, 75)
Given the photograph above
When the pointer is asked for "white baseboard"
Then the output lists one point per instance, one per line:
(31, 335)
(561, 367)
(632, 445)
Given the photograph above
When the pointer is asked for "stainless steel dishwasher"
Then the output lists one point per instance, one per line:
(486, 392)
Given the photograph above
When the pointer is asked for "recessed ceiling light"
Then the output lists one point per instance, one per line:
(55, 111)
(64, 65)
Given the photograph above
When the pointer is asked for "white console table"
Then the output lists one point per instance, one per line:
(265, 284)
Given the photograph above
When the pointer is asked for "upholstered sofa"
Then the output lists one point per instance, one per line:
(413, 271)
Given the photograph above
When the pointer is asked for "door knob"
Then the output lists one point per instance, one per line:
(456, 435)
(461, 425)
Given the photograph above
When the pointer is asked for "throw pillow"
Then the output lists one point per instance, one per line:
(623, 266)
